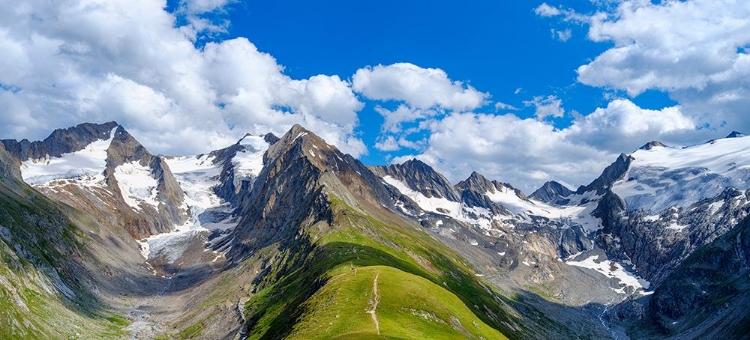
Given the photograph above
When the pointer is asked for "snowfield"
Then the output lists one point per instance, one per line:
(86, 165)
(249, 162)
(483, 218)
(665, 176)
(137, 184)
(197, 176)
(613, 270)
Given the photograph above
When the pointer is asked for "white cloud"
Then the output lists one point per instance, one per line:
(388, 143)
(549, 106)
(563, 35)
(694, 50)
(670, 46)
(72, 61)
(422, 93)
(504, 106)
(523, 152)
(546, 10)
(394, 119)
(420, 88)
(623, 126)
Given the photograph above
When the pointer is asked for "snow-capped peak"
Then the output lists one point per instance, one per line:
(661, 177)
(86, 165)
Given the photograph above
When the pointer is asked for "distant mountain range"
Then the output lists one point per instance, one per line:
(287, 237)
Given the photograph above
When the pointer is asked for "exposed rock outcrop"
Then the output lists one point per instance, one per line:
(420, 177)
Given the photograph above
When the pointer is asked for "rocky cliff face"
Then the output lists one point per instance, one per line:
(474, 193)
(290, 195)
(9, 166)
(61, 141)
(233, 185)
(97, 166)
(147, 219)
(420, 177)
(552, 192)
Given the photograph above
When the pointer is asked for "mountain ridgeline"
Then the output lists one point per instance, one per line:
(287, 237)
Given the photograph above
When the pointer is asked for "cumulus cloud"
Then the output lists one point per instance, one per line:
(72, 61)
(544, 107)
(524, 152)
(422, 93)
(562, 35)
(622, 126)
(694, 50)
(420, 88)
(504, 106)
(394, 119)
(669, 46)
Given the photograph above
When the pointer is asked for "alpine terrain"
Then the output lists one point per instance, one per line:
(287, 237)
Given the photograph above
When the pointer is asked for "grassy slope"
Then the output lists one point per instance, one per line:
(427, 290)
(409, 307)
(30, 305)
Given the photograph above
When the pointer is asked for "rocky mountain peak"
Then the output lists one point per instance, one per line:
(60, 142)
(552, 192)
(736, 134)
(611, 174)
(476, 182)
(420, 177)
(299, 174)
(651, 145)
(124, 148)
(9, 166)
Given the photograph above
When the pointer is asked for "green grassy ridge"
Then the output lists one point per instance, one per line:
(358, 240)
(41, 236)
(410, 307)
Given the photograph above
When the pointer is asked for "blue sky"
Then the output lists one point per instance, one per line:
(494, 46)
(521, 91)
(500, 47)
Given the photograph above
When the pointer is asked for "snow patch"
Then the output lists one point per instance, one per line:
(249, 162)
(613, 270)
(436, 205)
(136, 184)
(676, 227)
(664, 177)
(85, 165)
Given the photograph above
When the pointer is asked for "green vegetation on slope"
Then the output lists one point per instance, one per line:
(311, 272)
(36, 241)
(408, 307)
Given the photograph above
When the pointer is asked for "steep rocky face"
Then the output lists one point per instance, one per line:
(125, 151)
(652, 145)
(9, 166)
(420, 177)
(290, 194)
(736, 134)
(706, 296)
(234, 182)
(552, 192)
(668, 202)
(61, 141)
(474, 191)
(101, 167)
(612, 173)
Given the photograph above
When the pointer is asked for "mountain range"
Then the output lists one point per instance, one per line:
(287, 237)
